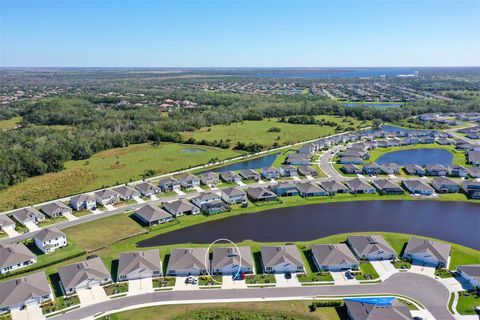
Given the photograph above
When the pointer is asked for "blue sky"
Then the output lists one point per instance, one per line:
(232, 33)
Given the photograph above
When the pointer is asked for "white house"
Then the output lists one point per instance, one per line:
(15, 256)
(230, 261)
(233, 195)
(50, 239)
(281, 259)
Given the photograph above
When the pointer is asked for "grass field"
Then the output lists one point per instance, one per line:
(467, 302)
(284, 310)
(108, 168)
(10, 123)
(257, 131)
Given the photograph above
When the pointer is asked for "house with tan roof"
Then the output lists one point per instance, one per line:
(281, 259)
(232, 260)
(139, 265)
(333, 257)
(83, 275)
(372, 247)
(15, 256)
(187, 261)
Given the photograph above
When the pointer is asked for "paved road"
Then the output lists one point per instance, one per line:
(427, 291)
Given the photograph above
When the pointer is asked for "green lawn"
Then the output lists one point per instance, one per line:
(209, 281)
(467, 302)
(257, 131)
(315, 277)
(368, 271)
(164, 282)
(260, 279)
(107, 168)
(10, 123)
(116, 288)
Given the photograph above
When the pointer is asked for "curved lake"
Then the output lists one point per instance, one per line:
(458, 222)
(417, 156)
(256, 163)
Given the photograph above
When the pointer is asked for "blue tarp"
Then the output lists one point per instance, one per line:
(382, 301)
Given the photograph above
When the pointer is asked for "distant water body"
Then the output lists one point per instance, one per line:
(337, 73)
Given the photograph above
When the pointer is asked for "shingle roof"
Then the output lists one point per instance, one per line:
(386, 184)
(107, 193)
(259, 192)
(56, 207)
(333, 186)
(370, 311)
(152, 213)
(179, 206)
(472, 270)
(15, 253)
(357, 184)
(370, 244)
(19, 290)
(147, 187)
(333, 254)
(207, 196)
(82, 198)
(223, 257)
(309, 187)
(5, 221)
(275, 255)
(441, 251)
(74, 274)
(417, 185)
(27, 213)
(233, 192)
(133, 261)
(126, 191)
(187, 258)
(49, 234)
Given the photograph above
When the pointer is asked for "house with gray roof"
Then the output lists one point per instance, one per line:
(6, 223)
(418, 187)
(188, 180)
(147, 189)
(169, 184)
(350, 168)
(359, 186)
(32, 289)
(261, 194)
(15, 256)
(188, 261)
(333, 257)
(391, 168)
(470, 273)
(28, 215)
(427, 252)
(83, 275)
(474, 172)
(210, 178)
(107, 197)
(249, 174)
(139, 265)
(285, 188)
(372, 168)
(151, 215)
(205, 197)
(55, 209)
(233, 195)
(310, 189)
(298, 159)
(232, 261)
(180, 207)
(83, 202)
(270, 173)
(445, 185)
(288, 171)
(373, 247)
(127, 192)
(415, 170)
(386, 186)
(332, 187)
(350, 160)
(436, 169)
(281, 259)
(457, 171)
(364, 309)
(307, 171)
(471, 189)
(230, 176)
(473, 157)
(50, 239)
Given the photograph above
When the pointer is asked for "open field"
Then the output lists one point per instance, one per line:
(10, 123)
(258, 131)
(284, 310)
(107, 168)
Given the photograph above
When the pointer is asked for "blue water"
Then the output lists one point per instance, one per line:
(421, 157)
(257, 163)
(337, 73)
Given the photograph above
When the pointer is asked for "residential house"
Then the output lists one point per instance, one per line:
(127, 192)
(391, 168)
(473, 157)
(83, 275)
(15, 256)
(187, 261)
(288, 171)
(261, 194)
(427, 252)
(351, 169)
(310, 189)
(285, 189)
(385, 186)
(232, 261)
(152, 215)
(281, 259)
(83, 202)
(445, 185)
(28, 215)
(457, 171)
(107, 197)
(332, 187)
(210, 178)
(233, 195)
(298, 159)
(415, 169)
(55, 209)
(350, 160)
(188, 180)
(147, 189)
(249, 174)
(436, 170)
(180, 207)
(270, 173)
(230, 176)
(470, 273)
(372, 168)
(333, 257)
(32, 289)
(139, 265)
(373, 247)
(307, 171)
(372, 309)
(169, 184)
(50, 239)
(6, 223)
(205, 197)
(418, 187)
(474, 172)
(472, 189)
(358, 186)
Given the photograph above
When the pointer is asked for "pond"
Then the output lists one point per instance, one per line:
(421, 157)
(257, 163)
(456, 222)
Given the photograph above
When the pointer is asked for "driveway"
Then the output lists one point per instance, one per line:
(295, 178)
(69, 216)
(179, 192)
(91, 296)
(198, 189)
(11, 232)
(384, 268)
(421, 269)
(181, 285)
(240, 183)
(31, 312)
(32, 226)
(96, 211)
(139, 200)
(309, 177)
(229, 283)
(456, 284)
(284, 282)
(139, 286)
(110, 207)
(340, 279)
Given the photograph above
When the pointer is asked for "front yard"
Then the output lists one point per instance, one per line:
(367, 271)
(116, 288)
(402, 264)
(469, 302)
(164, 282)
(443, 273)
(209, 281)
(315, 277)
(60, 303)
(260, 279)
